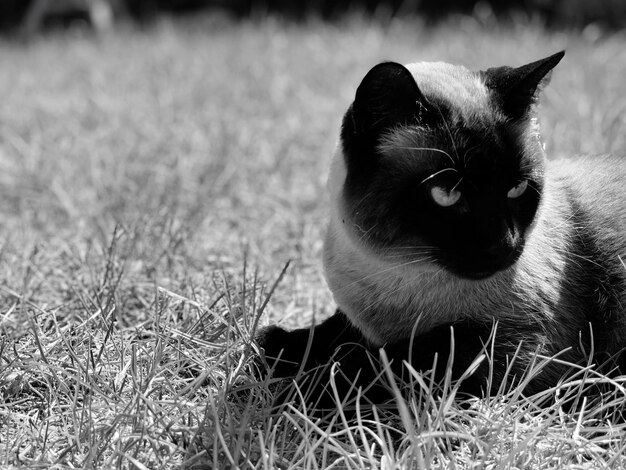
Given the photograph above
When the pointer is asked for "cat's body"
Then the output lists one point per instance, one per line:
(559, 277)
(444, 213)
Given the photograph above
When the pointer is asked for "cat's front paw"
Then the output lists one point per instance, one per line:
(278, 355)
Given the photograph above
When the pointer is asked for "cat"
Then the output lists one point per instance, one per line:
(448, 222)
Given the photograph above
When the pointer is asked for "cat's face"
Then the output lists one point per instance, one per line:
(444, 167)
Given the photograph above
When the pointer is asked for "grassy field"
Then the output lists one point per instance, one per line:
(153, 186)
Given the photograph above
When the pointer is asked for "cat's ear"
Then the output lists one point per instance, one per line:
(517, 88)
(387, 95)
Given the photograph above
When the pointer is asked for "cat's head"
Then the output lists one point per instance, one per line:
(443, 165)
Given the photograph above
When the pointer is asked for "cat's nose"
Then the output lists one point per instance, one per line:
(508, 241)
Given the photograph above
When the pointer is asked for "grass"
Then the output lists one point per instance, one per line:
(153, 186)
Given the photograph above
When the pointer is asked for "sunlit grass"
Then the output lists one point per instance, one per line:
(153, 185)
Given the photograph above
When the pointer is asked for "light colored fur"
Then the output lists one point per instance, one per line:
(442, 80)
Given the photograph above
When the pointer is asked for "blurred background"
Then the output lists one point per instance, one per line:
(25, 17)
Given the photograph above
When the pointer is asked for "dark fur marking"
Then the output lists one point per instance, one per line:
(359, 361)
(403, 212)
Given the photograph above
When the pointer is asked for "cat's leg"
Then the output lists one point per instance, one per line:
(328, 362)
(286, 352)
(450, 350)
(310, 351)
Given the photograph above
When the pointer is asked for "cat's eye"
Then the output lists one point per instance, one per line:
(443, 197)
(517, 191)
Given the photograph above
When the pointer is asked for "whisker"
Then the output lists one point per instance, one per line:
(436, 174)
(532, 186)
(407, 255)
(382, 271)
(403, 251)
(410, 247)
(458, 183)
(364, 232)
(362, 200)
(424, 149)
(584, 258)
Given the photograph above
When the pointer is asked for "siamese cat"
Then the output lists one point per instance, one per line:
(451, 234)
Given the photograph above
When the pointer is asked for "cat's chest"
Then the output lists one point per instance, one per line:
(389, 301)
